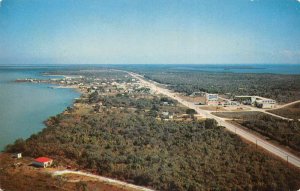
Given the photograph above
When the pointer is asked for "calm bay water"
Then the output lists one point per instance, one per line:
(24, 106)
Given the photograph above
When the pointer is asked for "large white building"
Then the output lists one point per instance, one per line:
(257, 101)
(211, 99)
(265, 103)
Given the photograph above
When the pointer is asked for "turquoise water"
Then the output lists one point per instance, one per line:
(24, 106)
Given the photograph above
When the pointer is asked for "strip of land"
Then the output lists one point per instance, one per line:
(123, 130)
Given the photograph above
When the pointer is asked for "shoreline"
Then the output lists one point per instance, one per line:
(52, 85)
(64, 76)
(60, 86)
(75, 88)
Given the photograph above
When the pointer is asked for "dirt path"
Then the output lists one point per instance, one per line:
(288, 104)
(102, 179)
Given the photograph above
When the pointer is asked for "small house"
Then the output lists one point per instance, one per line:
(43, 162)
(165, 113)
(17, 155)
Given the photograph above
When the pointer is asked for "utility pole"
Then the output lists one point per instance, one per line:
(256, 143)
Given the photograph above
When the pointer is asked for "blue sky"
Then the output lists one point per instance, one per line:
(153, 31)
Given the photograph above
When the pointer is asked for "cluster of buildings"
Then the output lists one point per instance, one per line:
(94, 84)
(117, 87)
(43, 162)
(256, 101)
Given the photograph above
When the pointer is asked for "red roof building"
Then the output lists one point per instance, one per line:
(43, 162)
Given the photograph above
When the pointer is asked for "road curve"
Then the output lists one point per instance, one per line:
(101, 179)
(281, 153)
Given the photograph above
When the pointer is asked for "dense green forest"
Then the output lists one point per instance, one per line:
(165, 155)
(122, 100)
(283, 131)
(152, 107)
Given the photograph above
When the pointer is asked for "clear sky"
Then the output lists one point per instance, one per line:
(149, 31)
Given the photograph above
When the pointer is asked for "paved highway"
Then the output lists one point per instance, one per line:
(280, 152)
